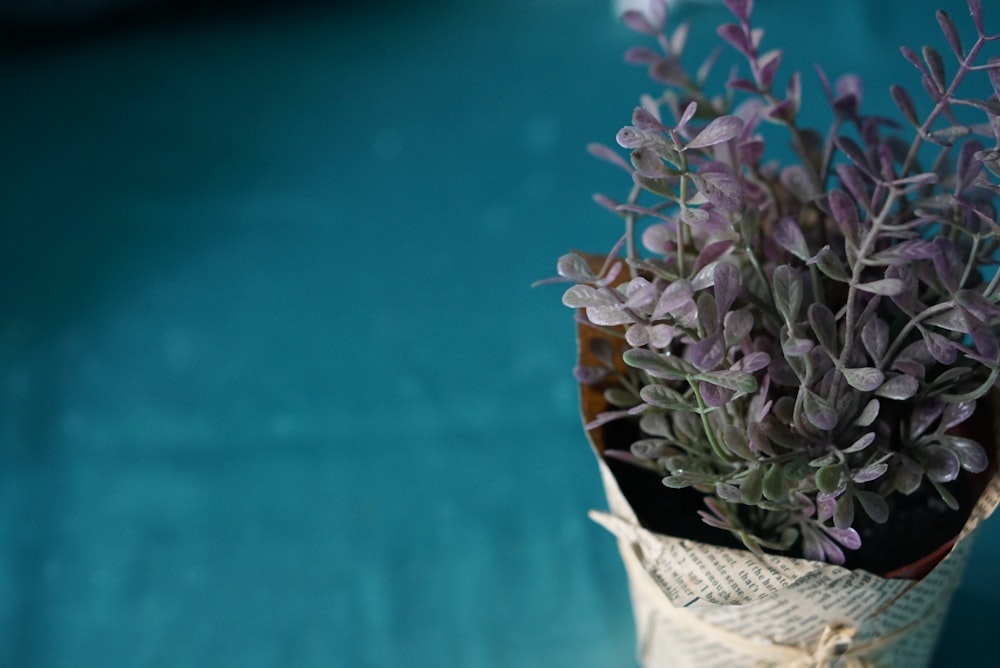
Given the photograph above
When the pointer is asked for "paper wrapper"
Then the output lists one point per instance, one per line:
(704, 606)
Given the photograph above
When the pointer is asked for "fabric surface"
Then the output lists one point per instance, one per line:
(274, 390)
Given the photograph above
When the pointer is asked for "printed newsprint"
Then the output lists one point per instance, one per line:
(709, 607)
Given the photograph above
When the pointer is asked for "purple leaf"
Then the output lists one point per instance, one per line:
(820, 413)
(711, 252)
(736, 37)
(737, 325)
(970, 453)
(674, 296)
(853, 180)
(715, 395)
(935, 67)
(740, 8)
(720, 188)
(914, 60)
(707, 353)
(845, 213)
(719, 130)
(950, 32)
(641, 55)
(588, 375)
(753, 362)
(875, 337)
(782, 111)
(744, 85)
(751, 151)
(941, 464)
(644, 120)
(941, 348)
(849, 538)
(977, 304)
(854, 153)
(956, 414)
(976, 10)
(604, 153)
(923, 416)
(967, 167)
(668, 71)
(768, 68)
(638, 22)
(983, 338)
(905, 104)
(789, 236)
(727, 286)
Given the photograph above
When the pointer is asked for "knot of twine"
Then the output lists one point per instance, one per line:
(835, 647)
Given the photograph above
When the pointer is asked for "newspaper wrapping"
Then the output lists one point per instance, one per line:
(704, 606)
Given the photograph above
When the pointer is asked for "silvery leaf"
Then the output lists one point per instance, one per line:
(582, 296)
(719, 130)
(866, 379)
(575, 268)
(608, 316)
(899, 388)
(868, 414)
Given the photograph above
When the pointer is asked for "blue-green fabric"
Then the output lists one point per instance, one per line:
(274, 390)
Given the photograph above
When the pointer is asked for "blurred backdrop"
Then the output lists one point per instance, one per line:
(274, 389)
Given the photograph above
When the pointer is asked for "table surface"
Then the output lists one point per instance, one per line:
(274, 390)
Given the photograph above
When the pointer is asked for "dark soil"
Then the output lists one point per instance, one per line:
(918, 524)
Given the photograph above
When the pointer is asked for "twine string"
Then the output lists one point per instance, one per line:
(836, 646)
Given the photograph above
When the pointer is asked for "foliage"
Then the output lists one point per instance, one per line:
(803, 337)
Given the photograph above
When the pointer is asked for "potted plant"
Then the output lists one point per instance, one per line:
(782, 358)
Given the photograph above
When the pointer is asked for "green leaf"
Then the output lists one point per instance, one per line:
(731, 379)
(787, 293)
(775, 488)
(828, 478)
(868, 414)
(737, 442)
(656, 364)
(666, 398)
(843, 514)
(831, 265)
(619, 397)
(753, 486)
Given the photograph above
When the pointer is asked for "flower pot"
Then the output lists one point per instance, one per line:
(704, 605)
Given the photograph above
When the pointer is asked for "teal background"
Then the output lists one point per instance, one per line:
(274, 389)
